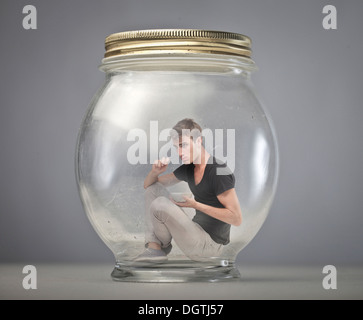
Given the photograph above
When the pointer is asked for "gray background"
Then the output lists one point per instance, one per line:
(310, 79)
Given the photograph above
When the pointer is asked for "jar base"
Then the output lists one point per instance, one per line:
(182, 271)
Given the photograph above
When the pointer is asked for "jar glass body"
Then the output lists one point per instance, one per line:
(127, 128)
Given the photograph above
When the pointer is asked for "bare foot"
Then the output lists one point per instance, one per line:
(154, 245)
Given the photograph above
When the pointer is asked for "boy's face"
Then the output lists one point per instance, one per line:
(187, 148)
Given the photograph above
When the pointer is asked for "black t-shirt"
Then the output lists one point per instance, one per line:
(211, 185)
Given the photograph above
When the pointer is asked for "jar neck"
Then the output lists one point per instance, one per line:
(204, 63)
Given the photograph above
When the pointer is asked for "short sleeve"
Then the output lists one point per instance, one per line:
(181, 173)
(222, 182)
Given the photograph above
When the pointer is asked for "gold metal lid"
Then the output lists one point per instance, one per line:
(177, 41)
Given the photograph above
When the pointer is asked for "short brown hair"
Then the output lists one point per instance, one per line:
(186, 125)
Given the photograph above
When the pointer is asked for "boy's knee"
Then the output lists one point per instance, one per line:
(160, 207)
(160, 204)
(154, 188)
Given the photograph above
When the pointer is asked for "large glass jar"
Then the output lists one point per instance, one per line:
(176, 159)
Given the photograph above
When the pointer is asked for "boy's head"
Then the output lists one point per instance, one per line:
(187, 138)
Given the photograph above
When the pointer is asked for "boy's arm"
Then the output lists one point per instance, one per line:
(231, 213)
(158, 168)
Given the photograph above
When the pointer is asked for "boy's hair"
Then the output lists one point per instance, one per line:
(186, 127)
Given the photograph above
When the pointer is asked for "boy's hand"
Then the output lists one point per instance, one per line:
(160, 166)
(189, 202)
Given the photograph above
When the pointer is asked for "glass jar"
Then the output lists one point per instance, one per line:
(176, 159)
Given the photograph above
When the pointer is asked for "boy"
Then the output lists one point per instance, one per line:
(215, 201)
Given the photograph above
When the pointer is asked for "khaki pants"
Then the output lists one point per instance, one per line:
(166, 221)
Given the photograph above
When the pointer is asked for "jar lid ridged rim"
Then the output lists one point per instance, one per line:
(177, 41)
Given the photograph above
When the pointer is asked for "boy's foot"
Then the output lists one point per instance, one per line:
(167, 249)
(152, 255)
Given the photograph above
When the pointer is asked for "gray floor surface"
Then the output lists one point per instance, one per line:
(93, 281)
